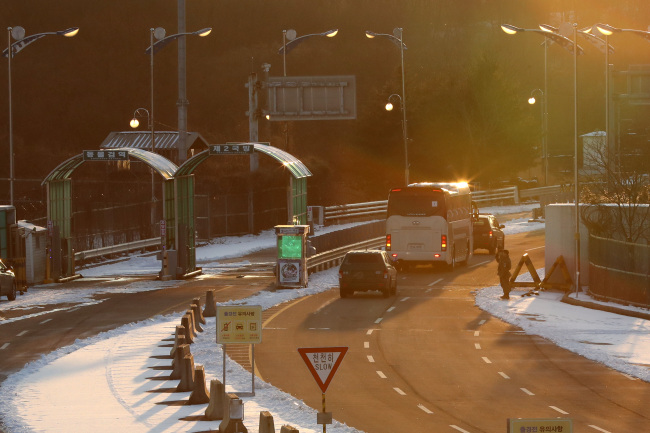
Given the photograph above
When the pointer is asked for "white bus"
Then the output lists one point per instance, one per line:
(429, 222)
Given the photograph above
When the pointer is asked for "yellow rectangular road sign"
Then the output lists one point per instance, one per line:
(239, 324)
(557, 425)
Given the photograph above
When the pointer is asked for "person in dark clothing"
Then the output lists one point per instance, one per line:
(503, 270)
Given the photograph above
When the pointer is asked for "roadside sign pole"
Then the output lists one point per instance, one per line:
(324, 411)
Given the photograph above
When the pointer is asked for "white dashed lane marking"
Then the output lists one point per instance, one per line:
(381, 375)
(424, 409)
(526, 391)
(559, 410)
(366, 345)
(482, 322)
(486, 360)
(45, 321)
(4, 346)
(455, 427)
(379, 320)
(370, 358)
(435, 282)
(505, 376)
(390, 309)
(595, 427)
(23, 333)
(477, 346)
(399, 391)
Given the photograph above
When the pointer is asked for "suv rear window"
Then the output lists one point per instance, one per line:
(367, 258)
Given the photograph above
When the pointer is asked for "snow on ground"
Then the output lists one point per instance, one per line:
(101, 383)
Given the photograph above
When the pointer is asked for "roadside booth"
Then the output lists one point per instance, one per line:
(291, 269)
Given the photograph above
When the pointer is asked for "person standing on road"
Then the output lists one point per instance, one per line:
(503, 270)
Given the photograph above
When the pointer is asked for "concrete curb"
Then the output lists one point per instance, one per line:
(622, 311)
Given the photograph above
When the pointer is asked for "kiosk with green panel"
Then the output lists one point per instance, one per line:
(291, 269)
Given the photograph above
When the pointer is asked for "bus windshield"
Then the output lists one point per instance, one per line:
(416, 202)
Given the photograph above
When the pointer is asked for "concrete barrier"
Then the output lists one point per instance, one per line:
(210, 309)
(197, 321)
(187, 374)
(177, 363)
(288, 429)
(233, 415)
(197, 302)
(193, 322)
(215, 408)
(179, 338)
(200, 394)
(186, 322)
(266, 422)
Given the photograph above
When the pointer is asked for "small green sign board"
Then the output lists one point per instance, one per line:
(106, 155)
(556, 425)
(232, 149)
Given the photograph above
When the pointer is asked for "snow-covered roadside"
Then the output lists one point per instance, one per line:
(101, 383)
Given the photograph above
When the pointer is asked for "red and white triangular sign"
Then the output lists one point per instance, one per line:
(323, 363)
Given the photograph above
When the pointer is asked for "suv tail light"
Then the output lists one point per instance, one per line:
(443, 242)
(490, 234)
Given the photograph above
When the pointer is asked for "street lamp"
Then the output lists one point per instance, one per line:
(532, 101)
(134, 123)
(607, 30)
(290, 35)
(398, 39)
(18, 34)
(575, 49)
(389, 107)
(159, 34)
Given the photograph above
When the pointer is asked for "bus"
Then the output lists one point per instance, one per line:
(429, 222)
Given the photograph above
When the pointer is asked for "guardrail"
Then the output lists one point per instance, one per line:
(117, 249)
(329, 259)
(496, 195)
(334, 214)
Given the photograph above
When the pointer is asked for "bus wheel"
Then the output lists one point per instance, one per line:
(452, 265)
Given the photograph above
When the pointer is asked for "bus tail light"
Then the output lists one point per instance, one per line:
(490, 234)
(443, 242)
(388, 243)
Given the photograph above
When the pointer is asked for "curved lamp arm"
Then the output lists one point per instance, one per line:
(293, 43)
(164, 41)
(563, 41)
(394, 39)
(22, 43)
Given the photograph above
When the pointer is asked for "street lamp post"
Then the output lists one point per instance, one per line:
(134, 123)
(18, 34)
(293, 41)
(398, 38)
(575, 49)
(532, 101)
(159, 34)
(607, 30)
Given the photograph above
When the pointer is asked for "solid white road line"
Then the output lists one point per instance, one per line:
(370, 358)
(559, 410)
(505, 376)
(526, 391)
(424, 409)
(380, 374)
(486, 360)
(399, 391)
(595, 427)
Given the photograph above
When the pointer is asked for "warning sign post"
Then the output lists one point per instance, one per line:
(323, 362)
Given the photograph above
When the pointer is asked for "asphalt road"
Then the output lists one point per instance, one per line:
(430, 360)
(425, 360)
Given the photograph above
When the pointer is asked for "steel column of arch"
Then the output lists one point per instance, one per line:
(184, 207)
(59, 215)
(169, 215)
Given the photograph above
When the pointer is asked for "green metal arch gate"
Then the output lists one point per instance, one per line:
(178, 200)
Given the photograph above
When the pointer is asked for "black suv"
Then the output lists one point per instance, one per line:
(488, 233)
(367, 270)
